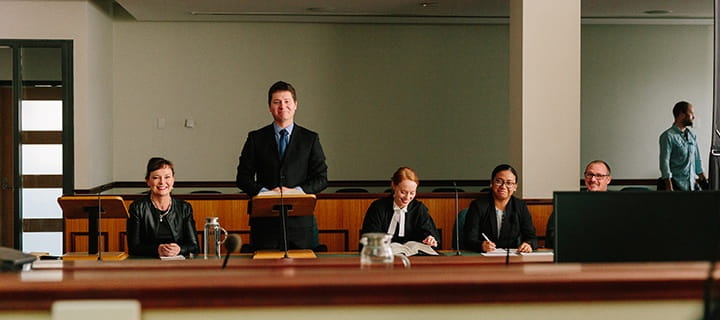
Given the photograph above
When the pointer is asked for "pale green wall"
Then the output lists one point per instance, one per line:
(433, 97)
(632, 75)
(430, 96)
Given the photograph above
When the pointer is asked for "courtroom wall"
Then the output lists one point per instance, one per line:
(632, 75)
(434, 97)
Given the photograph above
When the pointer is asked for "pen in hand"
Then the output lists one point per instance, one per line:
(486, 238)
(490, 244)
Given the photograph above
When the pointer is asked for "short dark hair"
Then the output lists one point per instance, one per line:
(599, 161)
(680, 108)
(503, 167)
(157, 163)
(281, 86)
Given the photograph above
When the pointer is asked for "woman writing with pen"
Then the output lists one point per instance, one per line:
(500, 220)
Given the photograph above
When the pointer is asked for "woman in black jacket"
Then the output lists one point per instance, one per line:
(400, 214)
(160, 226)
(500, 220)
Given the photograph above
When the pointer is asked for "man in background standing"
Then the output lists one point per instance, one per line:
(680, 165)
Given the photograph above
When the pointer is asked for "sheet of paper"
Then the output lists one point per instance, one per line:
(499, 252)
(275, 193)
(173, 258)
(538, 253)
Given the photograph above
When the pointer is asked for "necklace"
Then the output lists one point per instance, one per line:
(162, 213)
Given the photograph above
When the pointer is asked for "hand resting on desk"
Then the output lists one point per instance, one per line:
(168, 250)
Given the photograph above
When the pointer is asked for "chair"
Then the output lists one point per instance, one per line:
(458, 226)
(205, 192)
(351, 190)
(635, 189)
(448, 189)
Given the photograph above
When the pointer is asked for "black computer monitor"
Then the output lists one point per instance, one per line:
(636, 226)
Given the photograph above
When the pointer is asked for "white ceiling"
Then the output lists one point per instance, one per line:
(359, 10)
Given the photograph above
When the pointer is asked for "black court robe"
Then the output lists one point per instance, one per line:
(418, 222)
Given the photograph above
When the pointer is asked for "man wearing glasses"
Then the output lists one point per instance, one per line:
(597, 178)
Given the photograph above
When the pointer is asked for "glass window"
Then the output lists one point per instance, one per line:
(42, 159)
(41, 115)
(50, 242)
(41, 203)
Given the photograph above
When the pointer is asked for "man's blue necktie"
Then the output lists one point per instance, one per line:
(283, 142)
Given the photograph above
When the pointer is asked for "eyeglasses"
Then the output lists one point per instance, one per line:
(596, 176)
(500, 183)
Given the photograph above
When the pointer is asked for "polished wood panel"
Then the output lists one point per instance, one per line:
(349, 260)
(42, 225)
(8, 223)
(42, 181)
(41, 137)
(339, 218)
(170, 284)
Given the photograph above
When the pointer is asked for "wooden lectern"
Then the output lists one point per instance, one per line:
(290, 204)
(93, 208)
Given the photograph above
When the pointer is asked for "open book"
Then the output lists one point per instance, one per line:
(412, 248)
(277, 193)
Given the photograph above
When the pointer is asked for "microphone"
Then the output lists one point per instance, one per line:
(507, 249)
(457, 221)
(709, 307)
(99, 230)
(710, 303)
(507, 255)
(283, 216)
(232, 244)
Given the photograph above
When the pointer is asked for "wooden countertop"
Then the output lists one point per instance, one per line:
(340, 281)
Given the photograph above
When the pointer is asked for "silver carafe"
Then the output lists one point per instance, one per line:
(213, 238)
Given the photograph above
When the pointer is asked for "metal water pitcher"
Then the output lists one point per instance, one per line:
(213, 238)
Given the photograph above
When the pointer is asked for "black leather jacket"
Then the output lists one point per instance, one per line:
(143, 222)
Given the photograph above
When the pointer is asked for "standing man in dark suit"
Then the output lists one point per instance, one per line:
(282, 155)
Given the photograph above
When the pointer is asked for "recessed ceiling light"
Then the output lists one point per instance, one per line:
(657, 11)
(428, 4)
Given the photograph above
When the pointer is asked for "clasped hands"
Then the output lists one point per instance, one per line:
(168, 250)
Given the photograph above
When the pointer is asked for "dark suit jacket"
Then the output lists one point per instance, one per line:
(260, 166)
(418, 222)
(517, 224)
(142, 226)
